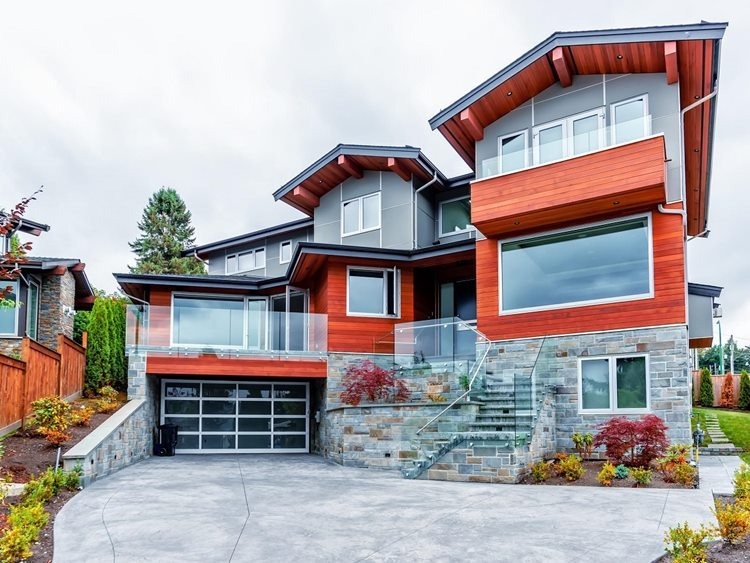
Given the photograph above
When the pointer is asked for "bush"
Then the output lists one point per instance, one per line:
(571, 468)
(105, 355)
(540, 471)
(706, 389)
(727, 392)
(742, 482)
(51, 413)
(621, 472)
(685, 544)
(367, 380)
(734, 522)
(607, 474)
(46, 485)
(584, 444)
(108, 401)
(25, 521)
(641, 476)
(743, 401)
(81, 416)
(684, 474)
(635, 443)
(54, 437)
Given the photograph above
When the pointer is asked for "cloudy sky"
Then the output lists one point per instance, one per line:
(226, 101)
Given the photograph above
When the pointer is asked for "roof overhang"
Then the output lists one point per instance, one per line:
(28, 226)
(704, 290)
(249, 237)
(84, 291)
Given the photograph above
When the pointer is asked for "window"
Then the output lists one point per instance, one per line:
(630, 120)
(245, 261)
(512, 152)
(604, 262)
(360, 214)
(285, 252)
(9, 315)
(614, 384)
(32, 311)
(208, 321)
(455, 216)
(574, 135)
(372, 292)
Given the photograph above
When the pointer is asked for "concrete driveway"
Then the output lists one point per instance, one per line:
(300, 508)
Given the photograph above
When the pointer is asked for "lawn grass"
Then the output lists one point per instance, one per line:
(735, 424)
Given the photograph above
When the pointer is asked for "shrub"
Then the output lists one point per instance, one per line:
(25, 521)
(742, 482)
(367, 380)
(607, 474)
(621, 472)
(109, 393)
(684, 474)
(734, 522)
(641, 476)
(81, 416)
(51, 413)
(633, 442)
(685, 544)
(463, 381)
(540, 471)
(46, 485)
(54, 437)
(436, 398)
(743, 401)
(571, 468)
(727, 392)
(584, 443)
(706, 389)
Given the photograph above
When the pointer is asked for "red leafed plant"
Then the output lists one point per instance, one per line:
(727, 392)
(366, 380)
(633, 442)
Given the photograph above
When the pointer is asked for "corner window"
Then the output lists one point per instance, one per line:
(614, 384)
(600, 263)
(9, 315)
(455, 216)
(512, 153)
(285, 252)
(360, 214)
(32, 311)
(245, 261)
(372, 292)
(630, 120)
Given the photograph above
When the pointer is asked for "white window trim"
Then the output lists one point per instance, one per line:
(360, 218)
(646, 122)
(237, 255)
(281, 251)
(525, 133)
(469, 227)
(38, 298)
(396, 296)
(649, 224)
(6, 283)
(613, 385)
(567, 135)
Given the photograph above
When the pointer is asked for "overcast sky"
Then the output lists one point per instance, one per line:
(226, 101)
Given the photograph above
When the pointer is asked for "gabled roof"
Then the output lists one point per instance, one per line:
(304, 190)
(292, 226)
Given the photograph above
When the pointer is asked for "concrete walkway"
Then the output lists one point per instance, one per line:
(300, 508)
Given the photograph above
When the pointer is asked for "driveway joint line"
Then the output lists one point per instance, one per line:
(247, 506)
(106, 529)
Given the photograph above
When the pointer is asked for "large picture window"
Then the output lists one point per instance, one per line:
(606, 262)
(455, 216)
(372, 292)
(9, 315)
(208, 321)
(360, 214)
(614, 384)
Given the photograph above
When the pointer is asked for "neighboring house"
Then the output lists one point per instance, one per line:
(47, 291)
(563, 254)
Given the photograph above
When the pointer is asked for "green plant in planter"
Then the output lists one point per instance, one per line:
(463, 381)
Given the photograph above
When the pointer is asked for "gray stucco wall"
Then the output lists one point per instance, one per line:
(700, 320)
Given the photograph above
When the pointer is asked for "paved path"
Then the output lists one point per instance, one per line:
(299, 508)
(720, 444)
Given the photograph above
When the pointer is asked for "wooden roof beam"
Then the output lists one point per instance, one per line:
(470, 122)
(395, 166)
(670, 59)
(562, 67)
(349, 166)
(306, 196)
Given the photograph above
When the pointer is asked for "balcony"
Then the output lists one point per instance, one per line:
(569, 177)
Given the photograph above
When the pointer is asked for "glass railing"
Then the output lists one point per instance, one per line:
(226, 332)
(566, 140)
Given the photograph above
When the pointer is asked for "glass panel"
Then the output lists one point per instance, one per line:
(629, 121)
(217, 442)
(371, 211)
(631, 383)
(289, 391)
(182, 390)
(455, 216)
(256, 324)
(595, 384)
(208, 321)
(289, 424)
(8, 314)
(254, 424)
(219, 407)
(366, 292)
(278, 322)
(586, 134)
(247, 261)
(601, 262)
(260, 258)
(184, 424)
(231, 264)
(255, 391)
(288, 442)
(297, 321)
(187, 442)
(254, 442)
(181, 407)
(351, 216)
(219, 390)
(286, 252)
(551, 143)
(255, 407)
(290, 407)
(513, 153)
(32, 310)
(215, 424)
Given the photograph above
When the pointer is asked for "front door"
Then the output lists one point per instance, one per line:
(458, 299)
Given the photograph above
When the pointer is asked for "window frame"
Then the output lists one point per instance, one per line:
(613, 124)
(17, 308)
(281, 251)
(501, 138)
(568, 146)
(38, 287)
(613, 409)
(396, 292)
(361, 214)
(236, 256)
(469, 227)
(585, 303)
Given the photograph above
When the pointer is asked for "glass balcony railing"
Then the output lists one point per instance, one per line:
(226, 329)
(567, 139)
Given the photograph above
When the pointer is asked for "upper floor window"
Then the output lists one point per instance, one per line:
(360, 214)
(630, 120)
(571, 136)
(455, 216)
(285, 252)
(599, 263)
(245, 261)
(372, 292)
(9, 315)
(512, 151)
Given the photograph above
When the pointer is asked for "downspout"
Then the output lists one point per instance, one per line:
(195, 255)
(416, 209)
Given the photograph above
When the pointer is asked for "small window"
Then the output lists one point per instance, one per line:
(285, 252)
(372, 292)
(614, 384)
(9, 315)
(360, 215)
(512, 152)
(455, 216)
(32, 311)
(630, 120)
(245, 261)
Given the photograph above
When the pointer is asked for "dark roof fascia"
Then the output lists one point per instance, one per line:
(44, 264)
(703, 30)
(27, 225)
(214, 282)
(704, 290)
(359, 150)
(299, 224)
(460, 181)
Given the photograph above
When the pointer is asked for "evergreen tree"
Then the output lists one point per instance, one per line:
(727, 392)
(707, 389)
(98, 351)
(80, 325)
(165, 232)
(744, 398)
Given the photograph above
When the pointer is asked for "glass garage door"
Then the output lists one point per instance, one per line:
(222, 417)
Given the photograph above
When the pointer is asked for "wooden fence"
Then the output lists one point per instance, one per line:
(718, 383)
(40, 372)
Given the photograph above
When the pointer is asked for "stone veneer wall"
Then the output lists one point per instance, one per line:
(57, 293)
(11, 347)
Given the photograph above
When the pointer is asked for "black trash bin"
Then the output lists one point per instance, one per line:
(166, 440)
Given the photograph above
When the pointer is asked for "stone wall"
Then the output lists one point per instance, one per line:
(58, 292)
(11, 347)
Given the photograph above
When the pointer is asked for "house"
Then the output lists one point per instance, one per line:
(539, 295)
(47, 291)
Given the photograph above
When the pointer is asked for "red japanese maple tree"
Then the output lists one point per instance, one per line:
(634, 442)
(367, 380)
